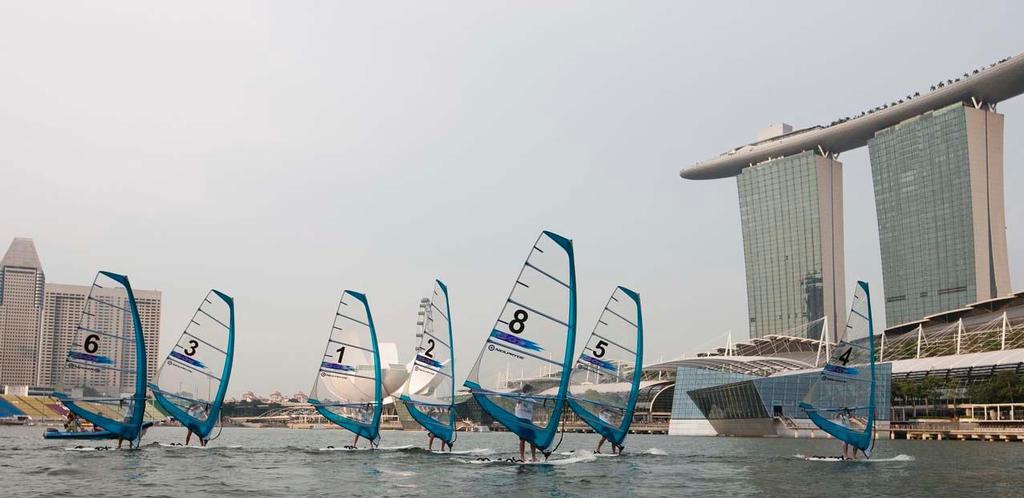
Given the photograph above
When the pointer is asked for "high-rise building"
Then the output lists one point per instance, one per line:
(791, 211)
(38, 320)
(938, 181)
(61, 315)
(937, 163)
(21, 301)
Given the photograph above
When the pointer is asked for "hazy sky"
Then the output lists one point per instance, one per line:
(284, 152)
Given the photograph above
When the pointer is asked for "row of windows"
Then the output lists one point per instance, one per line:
(921, 176)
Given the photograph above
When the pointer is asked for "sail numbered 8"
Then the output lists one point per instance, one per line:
(841, 401)
(522, 373)
(104, 376)
(193, 379)
(605, 380)
(347, 390)
(429, 392)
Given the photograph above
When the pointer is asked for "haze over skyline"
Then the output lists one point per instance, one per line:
(284, 152)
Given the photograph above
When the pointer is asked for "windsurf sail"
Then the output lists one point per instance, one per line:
(429, 392)
(193, 379)
(605, 381)
(522, 373)
(842, 400)
(347, 390)
(104, 376)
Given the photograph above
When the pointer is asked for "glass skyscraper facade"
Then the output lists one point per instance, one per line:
(939, 200)
(712, 395)
(791, 214)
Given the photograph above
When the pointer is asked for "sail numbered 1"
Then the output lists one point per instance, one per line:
(347, 390)
(841, 401)
(605, 380)
(429, 392)
(104, 375)
(522, 373)
(193, 379)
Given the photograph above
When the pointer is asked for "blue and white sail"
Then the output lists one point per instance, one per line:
(347, 390)
(193, 379)
(429, 392)
(842, 400)
(605, 381)
(522, 374)
(104, 376)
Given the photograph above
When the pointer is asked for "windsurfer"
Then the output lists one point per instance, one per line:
(524, 411)
(606, 416)
(197, 411)
(73, 423)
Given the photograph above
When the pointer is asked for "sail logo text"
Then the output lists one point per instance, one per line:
(492, 347)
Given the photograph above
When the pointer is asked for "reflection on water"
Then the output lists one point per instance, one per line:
(269, 462)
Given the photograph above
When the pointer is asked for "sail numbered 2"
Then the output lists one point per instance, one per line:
(193, 379)
(841, 401)
(605, 380)
(429, 392)
(522, 373)
(347, 390)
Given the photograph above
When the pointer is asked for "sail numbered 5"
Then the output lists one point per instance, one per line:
(605, 380)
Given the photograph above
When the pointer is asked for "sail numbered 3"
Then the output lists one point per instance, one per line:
(193, 378)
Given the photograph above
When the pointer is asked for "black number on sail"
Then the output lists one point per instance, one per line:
(518, 323)
(429, 353)
(341, 353)
(92, 343)
(192, 346)
(599, 349)
(845, 358)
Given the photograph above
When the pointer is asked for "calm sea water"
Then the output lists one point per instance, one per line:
(270, 462)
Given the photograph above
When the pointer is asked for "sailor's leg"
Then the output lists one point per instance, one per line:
(522, 449)
(601, 443)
